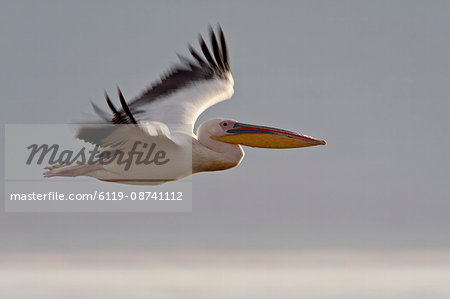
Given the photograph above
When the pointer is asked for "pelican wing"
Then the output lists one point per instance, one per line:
(123, 136)
(184, 92)
(122, 131)
(174, 102)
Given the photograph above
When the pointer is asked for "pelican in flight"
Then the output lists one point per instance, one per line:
(159, 124)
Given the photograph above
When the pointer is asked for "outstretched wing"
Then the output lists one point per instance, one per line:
(171, 105)
(184, 92)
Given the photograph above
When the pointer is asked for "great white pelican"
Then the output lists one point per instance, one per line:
(164, 115)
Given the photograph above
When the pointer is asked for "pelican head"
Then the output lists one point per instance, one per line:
(234, 132)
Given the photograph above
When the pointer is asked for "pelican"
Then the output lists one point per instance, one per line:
(164, 116)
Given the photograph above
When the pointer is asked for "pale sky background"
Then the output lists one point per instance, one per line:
(372, 78)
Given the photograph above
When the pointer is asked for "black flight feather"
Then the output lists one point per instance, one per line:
(125, 107)
(197, 57)
(216, 50)
(206, 52)
(100, 112)
(110, 104)
(224, 50)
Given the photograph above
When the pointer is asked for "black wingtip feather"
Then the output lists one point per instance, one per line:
(125, 106)
(224, 49)
(186, 61)
(100, 112)
(216, 49)
(110, 104)
(196, 56)
(206, 52)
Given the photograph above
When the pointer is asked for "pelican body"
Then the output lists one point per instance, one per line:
(164, 115)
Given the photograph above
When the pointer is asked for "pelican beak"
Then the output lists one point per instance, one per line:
(266, 137)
